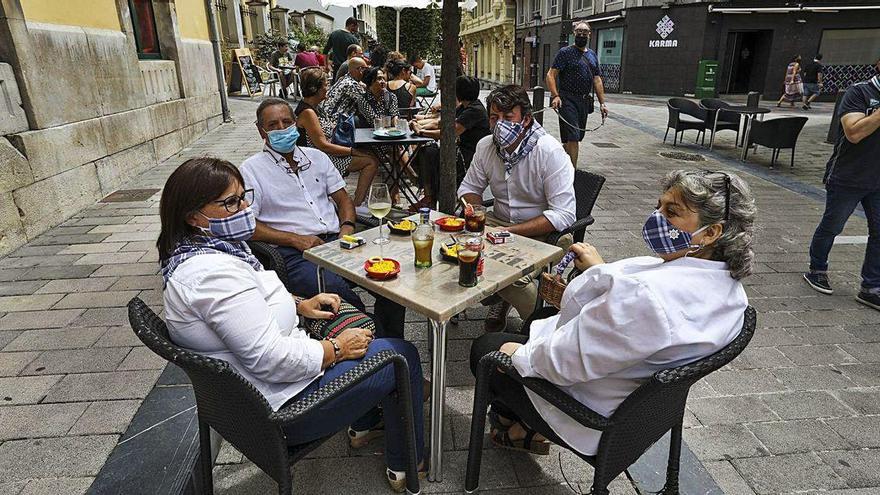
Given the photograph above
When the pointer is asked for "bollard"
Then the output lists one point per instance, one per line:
(538, 103)
(834, 128)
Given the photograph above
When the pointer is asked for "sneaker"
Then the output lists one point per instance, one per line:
(819, 282)
(869, 299)
(359, 439)
(496, 321)
(397, 479)
(806, 107)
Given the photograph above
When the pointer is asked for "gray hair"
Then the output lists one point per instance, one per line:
(706, 193)
(271, 102)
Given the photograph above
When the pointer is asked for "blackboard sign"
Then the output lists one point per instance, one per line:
(245, 74)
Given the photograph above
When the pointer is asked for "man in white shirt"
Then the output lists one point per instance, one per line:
(532, 180)
(425, 72)
(300, 202)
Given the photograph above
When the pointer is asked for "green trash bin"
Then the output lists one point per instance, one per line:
(706, 75)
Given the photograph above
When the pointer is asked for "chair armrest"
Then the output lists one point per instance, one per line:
(335, 388)
(366, 221)
(264, 250)
(549, 392)
(553, 237)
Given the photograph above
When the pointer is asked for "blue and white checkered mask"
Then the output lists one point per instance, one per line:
(237, 227)
(664, 238)
(506, 133)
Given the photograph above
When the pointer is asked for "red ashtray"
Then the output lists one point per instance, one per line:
(381, 275)
(450, 224)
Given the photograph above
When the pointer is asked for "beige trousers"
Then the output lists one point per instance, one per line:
(523, 294)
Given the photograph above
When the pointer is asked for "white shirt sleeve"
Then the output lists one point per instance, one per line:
(620, 328)
(559, 191)
(232, 305)
(476, 180)
(251, 182)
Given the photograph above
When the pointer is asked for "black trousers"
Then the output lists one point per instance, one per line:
(510, 398)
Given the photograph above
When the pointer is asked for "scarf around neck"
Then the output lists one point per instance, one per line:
(200, 244)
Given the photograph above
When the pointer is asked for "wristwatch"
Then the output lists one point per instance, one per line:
(349, 223)
(336, 351)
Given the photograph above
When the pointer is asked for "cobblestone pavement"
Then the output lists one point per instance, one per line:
(799, 411)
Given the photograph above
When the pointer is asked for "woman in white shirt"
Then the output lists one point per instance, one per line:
(621, 322)
(221, 303)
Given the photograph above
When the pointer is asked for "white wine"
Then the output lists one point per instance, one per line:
(379, 210)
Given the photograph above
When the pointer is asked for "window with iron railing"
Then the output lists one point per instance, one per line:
(536, 8)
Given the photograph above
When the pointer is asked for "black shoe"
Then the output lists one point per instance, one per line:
(496, 321)
(869, 299)
(806, 107)
(819, 282)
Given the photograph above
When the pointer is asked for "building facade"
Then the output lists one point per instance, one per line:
(487, 32)
(93, 92)
(655, 47)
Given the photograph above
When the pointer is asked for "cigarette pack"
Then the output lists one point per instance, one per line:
(500, 237)
(351, 241)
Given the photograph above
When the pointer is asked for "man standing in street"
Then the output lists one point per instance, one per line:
(852, 177)
(579, 76)
(340, 40)
(813, 75)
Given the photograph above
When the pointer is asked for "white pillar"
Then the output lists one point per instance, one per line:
(397, 32)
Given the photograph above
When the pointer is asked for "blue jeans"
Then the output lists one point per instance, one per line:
(840, 202)
(357, 406)
(303, 276)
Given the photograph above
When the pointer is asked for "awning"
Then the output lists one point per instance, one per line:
(829, 9)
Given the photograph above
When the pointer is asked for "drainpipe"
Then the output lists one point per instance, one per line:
(218, 59)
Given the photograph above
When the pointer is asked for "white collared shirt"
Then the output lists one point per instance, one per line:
(541, 183)
(294, 202)
(622, 322)
(219, 306)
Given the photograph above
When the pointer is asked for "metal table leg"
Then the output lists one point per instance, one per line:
(714, 129)
(746, 138)
(438, 399)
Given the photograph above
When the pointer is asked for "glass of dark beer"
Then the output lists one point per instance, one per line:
(470, 248)
(475, 219)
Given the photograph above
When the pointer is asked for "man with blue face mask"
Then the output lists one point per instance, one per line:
(532, 180)
(300, 201)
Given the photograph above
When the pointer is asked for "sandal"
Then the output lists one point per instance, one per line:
(502, 439)
(358, 439)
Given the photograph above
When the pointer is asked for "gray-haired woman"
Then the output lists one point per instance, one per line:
(620, 322)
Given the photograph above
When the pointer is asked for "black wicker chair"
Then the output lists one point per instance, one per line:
(230, 405)
(643, 418)
(776, 134)
(587, 187)
(682, 106)
(727, 121)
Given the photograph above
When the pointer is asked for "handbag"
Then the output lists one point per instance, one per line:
(347, 317)
(343, 133)
(553, 286)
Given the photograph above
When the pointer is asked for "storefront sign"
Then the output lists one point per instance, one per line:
(665, 26)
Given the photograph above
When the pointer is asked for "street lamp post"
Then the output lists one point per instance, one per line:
(537, 45)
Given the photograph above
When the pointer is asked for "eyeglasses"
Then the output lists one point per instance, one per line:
(233, 203)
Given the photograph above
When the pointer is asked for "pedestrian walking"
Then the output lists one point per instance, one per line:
(577, 68)
(794, 86)
(813, 76)
(852, 177)
(339, 41)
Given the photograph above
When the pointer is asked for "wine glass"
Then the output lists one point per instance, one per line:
(379, 204)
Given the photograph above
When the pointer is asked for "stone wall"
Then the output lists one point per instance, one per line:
(98, 117)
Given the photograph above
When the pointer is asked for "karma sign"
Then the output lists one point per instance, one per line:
(665, 27)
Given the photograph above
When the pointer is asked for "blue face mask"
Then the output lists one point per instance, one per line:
(283, 140)
(236, 227)
(664, 238)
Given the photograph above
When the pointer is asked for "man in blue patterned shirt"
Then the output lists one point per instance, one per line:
(579, 75)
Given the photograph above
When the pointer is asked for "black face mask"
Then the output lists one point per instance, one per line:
(581, 41)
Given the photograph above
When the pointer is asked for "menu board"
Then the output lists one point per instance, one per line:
(245, 74)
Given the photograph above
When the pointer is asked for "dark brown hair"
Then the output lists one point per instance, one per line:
(311, 80)
(509, 97)
(195, 183)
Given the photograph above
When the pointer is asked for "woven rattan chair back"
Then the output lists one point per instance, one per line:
(225, 400)
(587, 187)
(658, 406)
(271, 259)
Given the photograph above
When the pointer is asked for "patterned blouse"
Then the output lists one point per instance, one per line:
(327, 126)
(343, 97)
(370, 107)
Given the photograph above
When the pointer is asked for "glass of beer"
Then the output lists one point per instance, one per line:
(470, 249)
(423, 242)
(475, 219)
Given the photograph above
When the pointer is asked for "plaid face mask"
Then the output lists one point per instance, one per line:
(664, 238)
(506, 132)
(237, 227)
